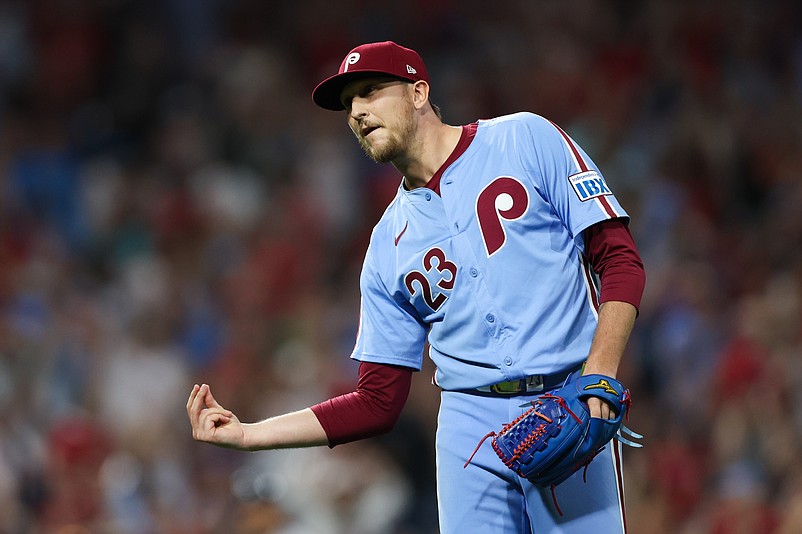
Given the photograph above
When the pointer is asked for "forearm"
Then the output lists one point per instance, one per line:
(613, 255)
(616, 320)
(292, 430)
(370, 410)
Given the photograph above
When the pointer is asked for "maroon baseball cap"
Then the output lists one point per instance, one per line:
(373, 59)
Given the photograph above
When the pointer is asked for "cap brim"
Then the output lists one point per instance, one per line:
(327, 93)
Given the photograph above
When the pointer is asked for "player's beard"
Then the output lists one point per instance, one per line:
(397, 143)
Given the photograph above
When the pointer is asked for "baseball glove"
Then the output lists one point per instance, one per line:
(556, 436)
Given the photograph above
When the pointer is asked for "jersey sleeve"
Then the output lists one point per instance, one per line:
(568, 179)
(372, 409)
(612, 254)
(390, 332)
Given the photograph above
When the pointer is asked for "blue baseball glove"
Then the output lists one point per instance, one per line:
(557, 436)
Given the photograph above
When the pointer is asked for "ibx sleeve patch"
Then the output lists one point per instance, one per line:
(588, 185)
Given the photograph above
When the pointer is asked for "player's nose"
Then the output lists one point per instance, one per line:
(357, 111)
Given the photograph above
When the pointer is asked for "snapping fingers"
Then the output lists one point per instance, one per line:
(193, 395)
(196, 403)
(209, 420)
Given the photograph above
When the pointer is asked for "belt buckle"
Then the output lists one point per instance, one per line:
(506, 388)
(534, 383)
(529, 384)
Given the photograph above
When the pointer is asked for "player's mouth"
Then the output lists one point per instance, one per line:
(367, 130)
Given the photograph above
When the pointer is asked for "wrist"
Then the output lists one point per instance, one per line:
(249, 439)
(590, 369)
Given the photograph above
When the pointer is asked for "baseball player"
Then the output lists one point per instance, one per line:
(507, 251)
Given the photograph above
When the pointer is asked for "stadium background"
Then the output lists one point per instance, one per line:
(174, 209)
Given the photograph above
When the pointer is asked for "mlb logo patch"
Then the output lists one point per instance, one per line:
(588, 185)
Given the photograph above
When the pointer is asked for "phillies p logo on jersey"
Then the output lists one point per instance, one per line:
(503, 199)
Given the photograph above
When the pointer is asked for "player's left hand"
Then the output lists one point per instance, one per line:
(599, 408)
(559, 435)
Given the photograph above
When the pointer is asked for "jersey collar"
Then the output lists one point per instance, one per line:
(465, 139)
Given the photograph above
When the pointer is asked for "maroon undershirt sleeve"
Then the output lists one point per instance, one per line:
(372, 409)
(611, 252)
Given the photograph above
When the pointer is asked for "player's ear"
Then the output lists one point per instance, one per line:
(420, 94)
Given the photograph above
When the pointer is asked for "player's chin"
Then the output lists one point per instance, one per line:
(379, 154)
(382, 158)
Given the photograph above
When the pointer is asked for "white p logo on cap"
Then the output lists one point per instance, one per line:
(350, 60)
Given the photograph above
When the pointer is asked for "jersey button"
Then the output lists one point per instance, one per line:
(428, 196)
(474, 272)
(490, 318)
(508, 360)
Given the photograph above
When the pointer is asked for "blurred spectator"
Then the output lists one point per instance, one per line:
(173, 209)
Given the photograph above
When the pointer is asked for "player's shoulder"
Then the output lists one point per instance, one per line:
(523, 124)
(522, 129)
(517, 120)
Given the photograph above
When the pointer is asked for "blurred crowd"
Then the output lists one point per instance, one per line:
(175, 210)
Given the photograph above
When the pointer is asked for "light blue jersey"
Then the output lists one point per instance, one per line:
(491, 271)
(487, 264)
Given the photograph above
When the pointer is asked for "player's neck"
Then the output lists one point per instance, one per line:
(433, 145)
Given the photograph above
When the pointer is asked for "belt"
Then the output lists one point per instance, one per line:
(527, 385)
